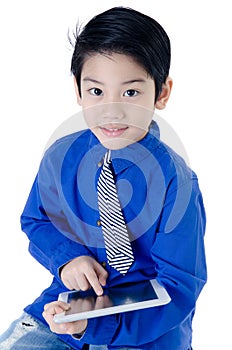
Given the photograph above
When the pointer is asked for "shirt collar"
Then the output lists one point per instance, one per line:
(130, 155)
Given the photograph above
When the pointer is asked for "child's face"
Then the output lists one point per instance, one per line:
(118, 99)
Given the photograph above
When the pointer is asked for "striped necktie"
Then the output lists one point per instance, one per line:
(117, 243)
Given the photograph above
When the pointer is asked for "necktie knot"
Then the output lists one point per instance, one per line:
(107, 158)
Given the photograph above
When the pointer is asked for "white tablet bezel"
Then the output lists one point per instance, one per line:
(162, 299)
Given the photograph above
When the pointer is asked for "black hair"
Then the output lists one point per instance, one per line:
(129, 32)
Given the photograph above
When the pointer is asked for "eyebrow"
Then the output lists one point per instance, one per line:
(123, 83)
(93, 80)
(133, 81)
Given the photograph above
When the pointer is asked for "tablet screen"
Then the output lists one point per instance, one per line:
(113, 296)
(121, 298)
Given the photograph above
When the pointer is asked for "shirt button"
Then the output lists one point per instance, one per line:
(99, 164)
(103, 264)
(98, 222)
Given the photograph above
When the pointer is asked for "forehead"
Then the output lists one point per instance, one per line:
(113, 66)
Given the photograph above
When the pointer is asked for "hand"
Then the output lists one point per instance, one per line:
(56, 307)
(83, 273)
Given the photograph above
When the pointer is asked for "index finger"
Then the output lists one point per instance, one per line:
(93, 280)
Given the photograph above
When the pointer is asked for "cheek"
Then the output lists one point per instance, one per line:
(140, 117)
(149, 102)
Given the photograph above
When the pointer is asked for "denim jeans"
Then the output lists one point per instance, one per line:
(26, 333)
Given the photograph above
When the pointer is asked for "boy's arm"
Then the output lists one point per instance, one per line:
(179, 260)
(52, 241)
(47, 244)
(47, 221)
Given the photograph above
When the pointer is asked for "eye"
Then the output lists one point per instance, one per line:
(96, 92)
(130, 93)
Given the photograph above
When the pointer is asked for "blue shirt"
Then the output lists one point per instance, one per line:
(164, 211)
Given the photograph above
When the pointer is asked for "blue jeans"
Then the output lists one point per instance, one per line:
(26, 333)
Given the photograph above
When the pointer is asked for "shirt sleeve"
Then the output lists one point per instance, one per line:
(179, 261)
(45, 224)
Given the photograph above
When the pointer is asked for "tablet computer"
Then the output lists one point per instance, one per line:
(120, 298)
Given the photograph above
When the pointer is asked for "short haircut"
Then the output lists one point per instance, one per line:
(125, 31)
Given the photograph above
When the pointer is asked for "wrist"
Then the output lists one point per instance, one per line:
(80, 334)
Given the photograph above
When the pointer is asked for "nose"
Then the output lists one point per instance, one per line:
(106, 113)
(113, 111)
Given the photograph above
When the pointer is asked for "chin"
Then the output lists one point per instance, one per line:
(115, 144)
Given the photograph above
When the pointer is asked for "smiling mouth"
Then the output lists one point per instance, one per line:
(113, 131)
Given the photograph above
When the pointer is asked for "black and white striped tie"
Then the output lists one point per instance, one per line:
(117, 243)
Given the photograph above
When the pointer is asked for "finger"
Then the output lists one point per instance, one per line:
(68, 328)
(68, 277)
(103, 277)
(92, 278)
(82, 282)
(67, 283)
(56, 307)
(56, 303)
(101, 273)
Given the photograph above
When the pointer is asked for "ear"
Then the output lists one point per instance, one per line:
(79, 100)
(165, 94)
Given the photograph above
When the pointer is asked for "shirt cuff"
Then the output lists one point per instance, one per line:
(101, 328)
(78, 336)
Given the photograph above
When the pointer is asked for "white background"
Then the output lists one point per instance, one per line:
(37, 95)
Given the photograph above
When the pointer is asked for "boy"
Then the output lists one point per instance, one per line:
(121, 66)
